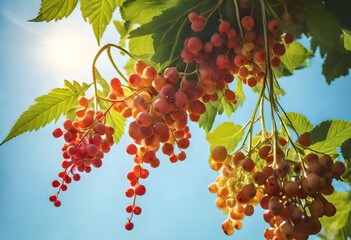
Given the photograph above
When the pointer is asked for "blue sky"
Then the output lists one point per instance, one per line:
(36, 57)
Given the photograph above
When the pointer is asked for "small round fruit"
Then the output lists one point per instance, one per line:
(219, 154)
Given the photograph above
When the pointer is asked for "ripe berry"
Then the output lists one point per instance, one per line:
(137, 210)
(131, 149)
(219, 154)
(279, 49)
(275, 61)
(57, 133)
(140, 190)
(194, 45)
(115, 84)
(288, 38)
(76, 177)
(223, 27)
(53, 198)
(273, 26)
(305, 140)
(55, 183)
(129, 209)
(129, 226)
(193, 16)
(247, 22)
(248, 165)
(129, 192)
(57, 203)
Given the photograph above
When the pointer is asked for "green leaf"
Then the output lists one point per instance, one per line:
(339, 225)
(346, 149)
(298, 122)
(118, 122)
(336, 65)
(226, 134)
(142, 11)
(322, 25)
(295, 55)
(207, 119)
(55, 10)
(346, 35)
(98, 13)
(141, 46)
(169, 30)
(123, 28)
(328, 136)
(340, 10)
(102, 82)
(47, 108)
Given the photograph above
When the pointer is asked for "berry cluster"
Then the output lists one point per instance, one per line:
(291, 192)
(86, 142)
(160, 105)
(229, 52)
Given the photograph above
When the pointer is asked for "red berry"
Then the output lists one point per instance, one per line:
(57, 133)
(131, 149)
(193, 16)
(130, 192)
(181, 156)
(247, 22)
(55, 183)
(64, 187)
(140, 190)
(279, 49)
(305, 140)
(115, 84)
(144, 173)
(194, 45)
(275, 61)
(57, 203)
(129, 209)
(129, 226)
(53, 198)
(137, 210)
(288, 38)
(223, 27)
(273, 26)
(76, 177)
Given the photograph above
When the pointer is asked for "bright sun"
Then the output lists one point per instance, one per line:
(67, 50)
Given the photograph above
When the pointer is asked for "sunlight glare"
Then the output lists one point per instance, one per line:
(68, 50)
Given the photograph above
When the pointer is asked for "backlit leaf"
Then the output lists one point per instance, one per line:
(339, 225)
(142, 11)
(49, 107)
(118, 122)
(226, 134)
(98, 13)
(295, 55)
(346, 35)
(55, 10)
(298, 122)
(328, 136)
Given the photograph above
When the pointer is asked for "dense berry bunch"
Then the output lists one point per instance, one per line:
(86, 142)
(291, 192)
(160, 106)
(229, 52)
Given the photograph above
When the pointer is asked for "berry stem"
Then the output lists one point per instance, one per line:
(237, 14)
(269, 76)
(115, 66)
(101, 50)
